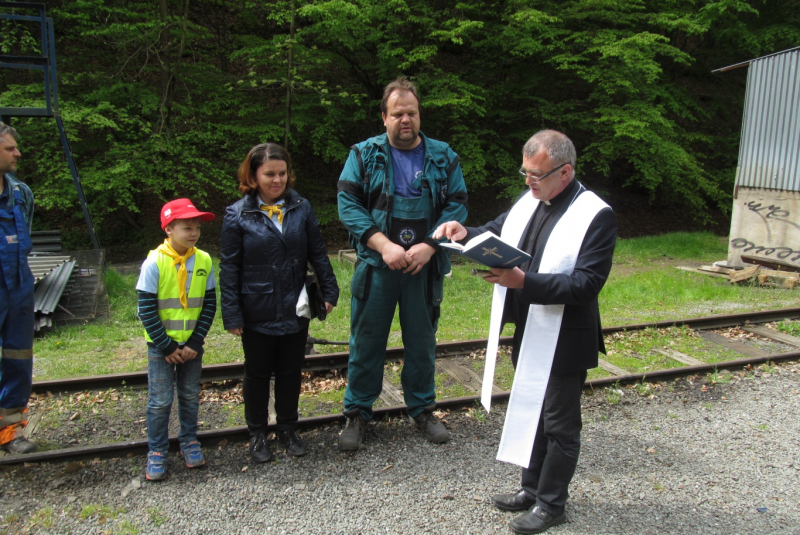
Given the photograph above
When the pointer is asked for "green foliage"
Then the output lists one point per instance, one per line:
(159, 105)
(677, 245)
(789, 327)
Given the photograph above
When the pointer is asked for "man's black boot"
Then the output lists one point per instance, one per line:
(537, 521)
(431, 426)
(352, 436)
(519, 501)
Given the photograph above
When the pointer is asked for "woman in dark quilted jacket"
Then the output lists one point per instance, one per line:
(268, 238)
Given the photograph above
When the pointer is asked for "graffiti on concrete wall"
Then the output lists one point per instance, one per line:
(771, 212)
(765, 223)
(783, 253)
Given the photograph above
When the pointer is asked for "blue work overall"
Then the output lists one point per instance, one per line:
(376, 294)
(16, 317)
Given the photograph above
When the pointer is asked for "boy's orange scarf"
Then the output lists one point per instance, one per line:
(167, 249)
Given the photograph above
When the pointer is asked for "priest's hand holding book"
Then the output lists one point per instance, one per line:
(501, 257)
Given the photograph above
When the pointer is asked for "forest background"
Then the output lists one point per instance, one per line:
(163, 99)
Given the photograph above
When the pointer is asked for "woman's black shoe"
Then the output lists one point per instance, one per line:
(259, 451)
(294, 444)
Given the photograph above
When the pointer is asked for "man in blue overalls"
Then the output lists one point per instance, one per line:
(16, 298)
(395, 189)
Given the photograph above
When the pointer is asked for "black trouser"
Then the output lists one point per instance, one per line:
(557, 444)
(263, 356)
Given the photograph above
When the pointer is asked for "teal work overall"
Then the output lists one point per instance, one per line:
(376, 294)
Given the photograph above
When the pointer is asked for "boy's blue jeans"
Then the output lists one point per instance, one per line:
(160, 378)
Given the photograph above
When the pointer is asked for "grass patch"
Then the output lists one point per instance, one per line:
(235, 416)
(613, 394)
(103, 513)
(644, 389)
(719, 378)
(674, 246)
(643, 351)
(42, 519)
(157, 516)
(126, 527)
(453, 390)
(790, 327)
(327, 402)
(503, 370)
(477, 413)
(643, 286)
(10, 524)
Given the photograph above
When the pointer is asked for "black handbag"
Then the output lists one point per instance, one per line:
(316, 299)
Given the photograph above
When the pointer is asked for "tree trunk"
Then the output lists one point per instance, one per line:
(168, 75)
(289, 80)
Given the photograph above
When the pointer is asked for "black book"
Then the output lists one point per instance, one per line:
(488, 249)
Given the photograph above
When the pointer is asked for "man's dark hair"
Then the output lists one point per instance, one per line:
(400, 84)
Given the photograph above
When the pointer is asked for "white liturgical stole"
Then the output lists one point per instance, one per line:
(542, 325)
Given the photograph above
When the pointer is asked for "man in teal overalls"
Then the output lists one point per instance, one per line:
(395, 189)
(16, 298)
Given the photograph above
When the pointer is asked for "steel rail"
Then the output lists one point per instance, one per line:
(333, 361)
(240, 433)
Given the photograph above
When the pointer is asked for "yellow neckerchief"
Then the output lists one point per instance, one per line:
(274, 209)
(167, 249)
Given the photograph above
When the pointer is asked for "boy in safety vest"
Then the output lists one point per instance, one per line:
(177, 303)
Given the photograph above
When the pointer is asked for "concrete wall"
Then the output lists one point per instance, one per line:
(765, 223)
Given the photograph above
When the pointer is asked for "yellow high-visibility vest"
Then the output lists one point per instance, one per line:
(180, 322)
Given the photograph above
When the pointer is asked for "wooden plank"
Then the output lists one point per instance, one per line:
(348, 255)
(745, 274)
(778, 273)
(774, 335)
(465, 376)
(770, 263)
(695, 270)
(613, 370)
(778, 281)
(739, 347)
(717, 269)
(681, 357)
(391, 395)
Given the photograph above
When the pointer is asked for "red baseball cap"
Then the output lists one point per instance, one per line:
(182, 209)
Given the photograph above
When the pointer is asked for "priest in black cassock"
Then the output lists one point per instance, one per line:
(552, 301)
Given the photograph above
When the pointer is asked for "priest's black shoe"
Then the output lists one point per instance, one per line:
(521, 501)
(294, 444)
(259, 451)
(537, 521)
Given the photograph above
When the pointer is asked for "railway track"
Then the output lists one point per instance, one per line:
(470, 380)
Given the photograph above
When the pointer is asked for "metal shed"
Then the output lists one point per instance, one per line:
(766, 200)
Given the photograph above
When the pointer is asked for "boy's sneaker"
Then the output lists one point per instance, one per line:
(193, 455)
(156, 466)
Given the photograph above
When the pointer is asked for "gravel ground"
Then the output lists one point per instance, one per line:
(690, 456)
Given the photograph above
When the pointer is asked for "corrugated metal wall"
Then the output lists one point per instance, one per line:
(769, 154)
